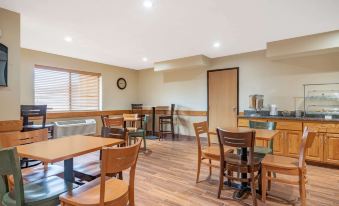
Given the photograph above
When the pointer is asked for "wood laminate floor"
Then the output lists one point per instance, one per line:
(166, 176)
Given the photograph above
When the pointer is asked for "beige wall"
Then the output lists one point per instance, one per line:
(10, 96)
(279, 81)
(113, 98)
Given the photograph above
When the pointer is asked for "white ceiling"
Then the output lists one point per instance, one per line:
(122, 32)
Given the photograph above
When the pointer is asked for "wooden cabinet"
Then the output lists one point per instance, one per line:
(243, 122)
(324, 148)
(331, 148)
(292, 143)
(316, 151)
(278, 144)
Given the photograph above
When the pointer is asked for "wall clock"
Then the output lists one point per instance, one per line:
(121, 83)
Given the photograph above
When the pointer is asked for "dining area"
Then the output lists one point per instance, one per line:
(169, 103)
(82, 169)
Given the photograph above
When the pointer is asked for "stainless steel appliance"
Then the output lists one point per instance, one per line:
(256, 102)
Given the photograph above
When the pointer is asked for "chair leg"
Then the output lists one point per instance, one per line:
(253, 190)
(221, 178)
(269, 174)
(210, 167)
(198, 169)
(263, 183)
(160, 134)
(172, 129)
(302, 189)
(144, 138)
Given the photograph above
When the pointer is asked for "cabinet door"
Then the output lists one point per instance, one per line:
(278, 143)
(316, 151)
(292, 140)
(331, 148)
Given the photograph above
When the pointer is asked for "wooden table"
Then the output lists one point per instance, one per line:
(65, 149)
(260, 134)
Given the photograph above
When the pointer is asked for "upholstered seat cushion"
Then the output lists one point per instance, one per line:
(41, 192)
(213, 152)
(116, 193)
(36, 173)
(262, 150)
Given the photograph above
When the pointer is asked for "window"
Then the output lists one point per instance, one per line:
(66, 90)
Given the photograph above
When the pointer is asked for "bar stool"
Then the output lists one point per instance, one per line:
(137, 109)
(28, 111)
(164, 121)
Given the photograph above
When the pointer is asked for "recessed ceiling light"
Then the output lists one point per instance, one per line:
(216, 45)
(148, 4)
(145, 59)
(68, 39)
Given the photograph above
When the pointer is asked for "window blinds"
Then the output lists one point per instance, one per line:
(66, 90)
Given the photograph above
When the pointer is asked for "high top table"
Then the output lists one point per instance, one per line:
(260, 134)
(65, 149)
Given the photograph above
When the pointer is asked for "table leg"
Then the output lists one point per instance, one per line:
(68, 170)
(244, 186)
(153, 121)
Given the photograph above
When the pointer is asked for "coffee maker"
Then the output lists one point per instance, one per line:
(256, 102)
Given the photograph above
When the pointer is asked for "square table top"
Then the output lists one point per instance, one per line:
(63, 148)
(260, 134)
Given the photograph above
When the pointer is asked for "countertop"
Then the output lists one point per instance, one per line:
(310, 119)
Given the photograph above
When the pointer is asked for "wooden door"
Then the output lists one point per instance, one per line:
(316, 151)
(331, 151)
(278, 143)
(292, 140)
(222, 98)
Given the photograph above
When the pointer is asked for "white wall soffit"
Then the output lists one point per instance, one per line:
(198, 61)
(316, 44)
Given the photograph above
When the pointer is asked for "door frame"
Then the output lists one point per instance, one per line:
(208, 99)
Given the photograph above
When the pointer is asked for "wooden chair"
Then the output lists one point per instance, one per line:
(12, 139)
(28, 111)
(260, 151)
(139, 132)
(91, 170)
(132, 120)
(234, 163)
(108, 191)
(288, 166)
(137, 109)
(209, 152)
(164, 121)
(112, 122)
(44, 191)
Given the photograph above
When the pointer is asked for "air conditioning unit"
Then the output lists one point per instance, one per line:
(74, 127)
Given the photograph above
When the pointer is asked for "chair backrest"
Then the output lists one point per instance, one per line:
(131, 116)
(172, 109)
(28, 111)
(241, 138)
(201, 128)
(263, 125)
(10, 166)
(12, 139)
(113, 122)
(115, 160)
(306, 142)
(103, 117)
(137, 109)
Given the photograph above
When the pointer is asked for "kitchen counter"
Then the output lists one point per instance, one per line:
(304, 119)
